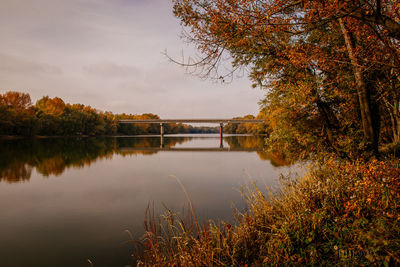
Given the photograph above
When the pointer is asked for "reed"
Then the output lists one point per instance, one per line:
(338, 213)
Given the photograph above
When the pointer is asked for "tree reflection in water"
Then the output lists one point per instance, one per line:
(276, 159)
(52, 156)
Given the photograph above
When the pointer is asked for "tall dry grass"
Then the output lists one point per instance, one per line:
(339, 213)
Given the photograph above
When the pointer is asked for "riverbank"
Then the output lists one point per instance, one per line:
(10, 137)
(339, 213)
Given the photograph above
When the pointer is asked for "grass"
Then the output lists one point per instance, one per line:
(339, 213)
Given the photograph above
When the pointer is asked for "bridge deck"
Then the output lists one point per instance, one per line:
(193, 121)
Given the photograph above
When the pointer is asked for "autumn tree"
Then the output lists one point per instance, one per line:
(51, 106)
(16, 114)
(246, 128)
(324, 63)
(16, 100)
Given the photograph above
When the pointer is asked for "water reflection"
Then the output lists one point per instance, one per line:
(104, 186)
(52, 156)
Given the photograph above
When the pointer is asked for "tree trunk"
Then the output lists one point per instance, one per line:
(396, 115)
(362, 91)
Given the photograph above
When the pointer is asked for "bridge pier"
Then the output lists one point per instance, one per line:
(161, 141)
(162, 129)
(221, 130)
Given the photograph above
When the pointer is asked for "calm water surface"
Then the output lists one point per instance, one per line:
(66, 200)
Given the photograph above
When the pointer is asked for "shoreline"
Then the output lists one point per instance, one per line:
(11, 137)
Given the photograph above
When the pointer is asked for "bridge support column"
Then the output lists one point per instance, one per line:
(162, 129)
(221, 130)
(161, 141)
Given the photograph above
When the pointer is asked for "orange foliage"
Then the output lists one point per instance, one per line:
(322, 92)
(16, 100)
(52, 106)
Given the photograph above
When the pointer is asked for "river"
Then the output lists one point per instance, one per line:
(66, 200)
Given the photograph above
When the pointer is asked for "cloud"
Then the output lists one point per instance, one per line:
(16, 65)
(111, 70)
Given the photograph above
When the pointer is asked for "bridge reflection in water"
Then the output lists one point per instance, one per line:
(19, 158)
(162, 147)
(189, 149)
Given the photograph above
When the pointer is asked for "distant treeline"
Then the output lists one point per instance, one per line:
(53, 117)
(247, 128)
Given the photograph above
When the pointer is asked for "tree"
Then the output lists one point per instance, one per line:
(51, 106)
(16, 100)
(321, 62)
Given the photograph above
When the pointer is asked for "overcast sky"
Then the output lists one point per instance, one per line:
(108, 54)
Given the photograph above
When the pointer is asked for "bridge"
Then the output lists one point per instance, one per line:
(221, 122)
